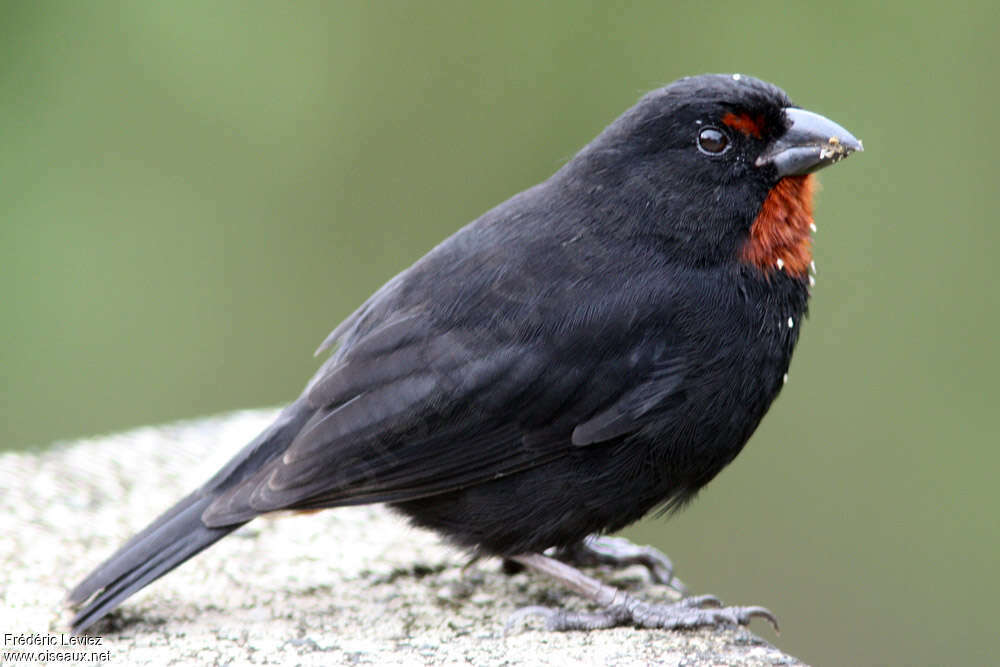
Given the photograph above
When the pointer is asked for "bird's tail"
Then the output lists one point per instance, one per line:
(176, 536)
(179, 533)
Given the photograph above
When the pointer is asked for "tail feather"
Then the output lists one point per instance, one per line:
(173, 538)
(179, 533)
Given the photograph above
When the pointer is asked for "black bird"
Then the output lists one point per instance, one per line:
(597, 346)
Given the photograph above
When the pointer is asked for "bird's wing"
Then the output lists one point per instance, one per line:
(422, 399)
(402, 416)
(652, 395)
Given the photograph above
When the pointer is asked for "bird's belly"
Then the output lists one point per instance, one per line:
(605, 486)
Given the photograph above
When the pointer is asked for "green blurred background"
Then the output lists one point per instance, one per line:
(194, 194)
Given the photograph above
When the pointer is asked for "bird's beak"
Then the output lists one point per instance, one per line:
(810, 143)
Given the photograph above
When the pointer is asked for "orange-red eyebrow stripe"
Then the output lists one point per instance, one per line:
(745, 124)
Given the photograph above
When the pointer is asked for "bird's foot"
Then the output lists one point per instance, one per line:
(620, 552)
(620, 608)
(692, 612)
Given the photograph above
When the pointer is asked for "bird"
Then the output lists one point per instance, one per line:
(597, 346)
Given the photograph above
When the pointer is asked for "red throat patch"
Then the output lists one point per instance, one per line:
(780, 238)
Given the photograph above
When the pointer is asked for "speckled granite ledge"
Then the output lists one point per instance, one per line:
(354, 585)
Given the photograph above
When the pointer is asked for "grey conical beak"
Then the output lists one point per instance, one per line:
(810, 143)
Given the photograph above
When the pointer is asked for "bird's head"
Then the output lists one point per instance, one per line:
(718, 167)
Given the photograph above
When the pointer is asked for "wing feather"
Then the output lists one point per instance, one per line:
(423, 398)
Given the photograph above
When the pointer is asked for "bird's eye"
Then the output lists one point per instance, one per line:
(712, 141)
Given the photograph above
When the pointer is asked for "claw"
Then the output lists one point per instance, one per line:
(764, 613)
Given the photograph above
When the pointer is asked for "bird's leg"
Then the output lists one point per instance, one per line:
(622, 609)
(619, 552)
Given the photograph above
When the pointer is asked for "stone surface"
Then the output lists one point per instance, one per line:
(349, 586)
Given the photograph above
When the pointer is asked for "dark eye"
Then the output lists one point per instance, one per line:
(712, 141)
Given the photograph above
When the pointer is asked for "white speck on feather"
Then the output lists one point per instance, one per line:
(784, 380)
(791, 322)
(812, 281)
(812, 226)
(781, 263)
(812, 265)
(736, 77)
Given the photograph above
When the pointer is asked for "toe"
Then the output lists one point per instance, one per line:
(698, 601)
